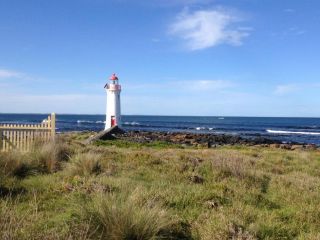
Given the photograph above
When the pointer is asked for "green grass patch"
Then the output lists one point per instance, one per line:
(118, 189)
(129, 144)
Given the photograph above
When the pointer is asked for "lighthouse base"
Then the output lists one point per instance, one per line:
(107, 134)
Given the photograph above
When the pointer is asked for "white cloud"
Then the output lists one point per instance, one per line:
(207, 28)
(4, 73)
(285, 89)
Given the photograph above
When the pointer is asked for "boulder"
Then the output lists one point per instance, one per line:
(297, 147)
(311, 147)
(285, 146)
(275, 145)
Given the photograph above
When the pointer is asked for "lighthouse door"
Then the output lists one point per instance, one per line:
(113, 121)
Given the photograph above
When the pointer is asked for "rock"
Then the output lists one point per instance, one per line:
(212, 204)
(297, 147)
(196, 179)
(311, 147)
(188, 136)
(285, 146)
(275, 145)
(262, 140)
(194, 139)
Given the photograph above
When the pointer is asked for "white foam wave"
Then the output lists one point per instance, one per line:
(84, 121)
(204, 128)
(290, 132)
(100, 122)
(132, 123)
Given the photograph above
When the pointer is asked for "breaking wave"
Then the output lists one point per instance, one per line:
(131, 123)
(203, 128)
(100, 122)
(291, 132)
(85, 121)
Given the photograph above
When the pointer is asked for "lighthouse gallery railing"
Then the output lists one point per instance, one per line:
(22, 136)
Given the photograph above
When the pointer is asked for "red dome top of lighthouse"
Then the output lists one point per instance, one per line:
(113, 77)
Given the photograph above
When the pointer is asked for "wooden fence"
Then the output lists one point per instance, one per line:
(22, 136)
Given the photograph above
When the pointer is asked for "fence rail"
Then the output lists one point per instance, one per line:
(22, 136)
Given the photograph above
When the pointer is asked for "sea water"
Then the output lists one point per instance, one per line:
(302, 130)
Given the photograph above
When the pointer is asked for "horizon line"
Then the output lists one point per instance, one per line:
(158, 115)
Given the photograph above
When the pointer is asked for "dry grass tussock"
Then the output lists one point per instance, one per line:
(14, 223)
(116, 217)
(232, 164)
(10, 222)
(43, 158)
(11, 162)
(85, 164)
(51, 155)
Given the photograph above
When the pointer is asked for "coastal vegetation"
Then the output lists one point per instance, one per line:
(118, 189)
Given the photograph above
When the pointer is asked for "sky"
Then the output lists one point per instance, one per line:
(172, 57)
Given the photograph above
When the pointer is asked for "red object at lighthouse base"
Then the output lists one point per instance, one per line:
(113, 121)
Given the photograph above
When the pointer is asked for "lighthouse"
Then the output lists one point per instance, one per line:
(113, 112)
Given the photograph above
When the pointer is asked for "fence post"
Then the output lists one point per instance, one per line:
(21, 136)
(53, 125)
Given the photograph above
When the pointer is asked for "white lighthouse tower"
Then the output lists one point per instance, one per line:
(113, 116)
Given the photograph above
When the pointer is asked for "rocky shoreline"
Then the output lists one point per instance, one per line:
(206, 140)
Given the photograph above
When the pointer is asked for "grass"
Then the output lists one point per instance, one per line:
(118, 217)
(124, 190)
(85, 164)
(126, 144)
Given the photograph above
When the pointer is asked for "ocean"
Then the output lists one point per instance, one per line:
(302, 130)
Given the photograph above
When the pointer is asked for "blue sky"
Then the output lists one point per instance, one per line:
(173, 57)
